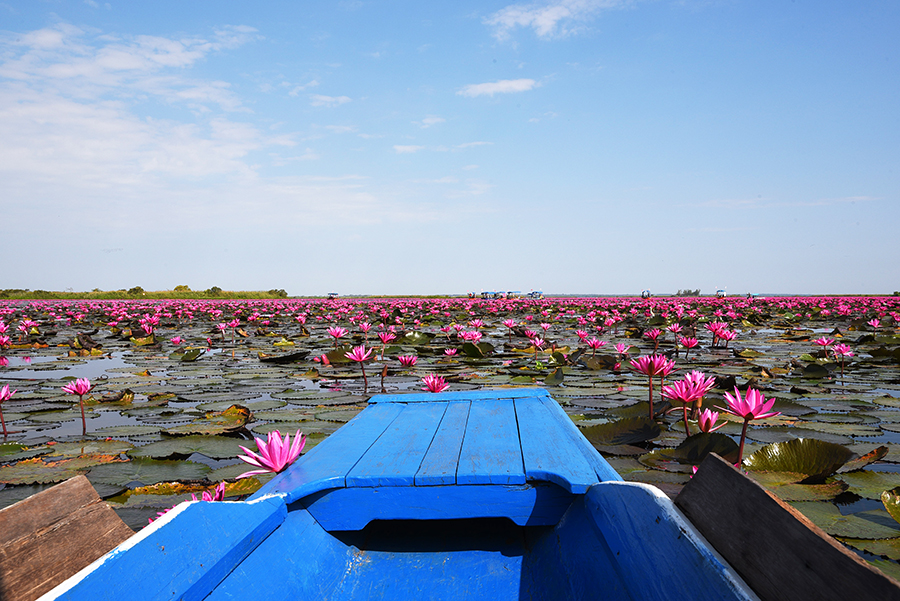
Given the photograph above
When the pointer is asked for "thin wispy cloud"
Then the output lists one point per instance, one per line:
(473, 144)
(429, 121)
(549, 19)
(401, 149)
(327, 101)
(504, 86)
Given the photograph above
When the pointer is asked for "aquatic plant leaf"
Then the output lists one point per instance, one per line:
(871, 525)
(472, 350)
(809, 492)
(37, 471)
(815, 458)
(415, 338)
(695, 448)
(147, 472)
(891, 501)
(885, 547)
(555, 378)
(863, 461)
(89, 447)
(870, 485)
(215, 422)
(128, 430)
(283, 359)
(214, 447)
(192, 354)
(339, 355)
(623, 431)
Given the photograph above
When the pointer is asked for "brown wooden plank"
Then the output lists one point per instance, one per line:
(52, 535)
(775, 548)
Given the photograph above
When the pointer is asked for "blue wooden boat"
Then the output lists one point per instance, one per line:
(473, 495)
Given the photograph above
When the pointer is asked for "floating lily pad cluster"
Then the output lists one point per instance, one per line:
(179, 385)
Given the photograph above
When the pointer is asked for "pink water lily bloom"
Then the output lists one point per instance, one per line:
(450, 352)
(5, 395)
(434, 383)
(824, 341)
(708, 419)
(218, 494)
(359, 354)
(274, 455)
(407, 360)
(81, 387)
(752, 406)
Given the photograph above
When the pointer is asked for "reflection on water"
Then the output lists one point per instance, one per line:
(91, 368)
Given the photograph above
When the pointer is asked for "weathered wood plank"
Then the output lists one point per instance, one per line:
(544, 449)
(604, 470)
(439, 465)
(491, 453)
(50, 536)
(775, 549)
(395, 457)
(327, 465)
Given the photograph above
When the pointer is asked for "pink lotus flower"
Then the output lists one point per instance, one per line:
(274, 455)
(874, 323)
(752, 406)
(686, 393)
(407, 360)
(218, 494)
(434, 383)
(708, 419)
(81, 387)
(824, 341)
(688, 343)
(5, 340)
(450, 352)
(386, 337)
(653, 365)
(177, 340)
(360, 354)
(582, 335)
(622, 348)
(5, 395)
(842, 350)
(336, 332)
(595, 343)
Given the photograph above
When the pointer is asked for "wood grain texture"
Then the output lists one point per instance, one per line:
(326, 465)
(464, 395)
(491, 453)
(544, 451)
(440, 461)
(778, 551)
(395, 457)
(50, 536)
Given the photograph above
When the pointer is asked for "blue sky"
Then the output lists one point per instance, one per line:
(580, 146)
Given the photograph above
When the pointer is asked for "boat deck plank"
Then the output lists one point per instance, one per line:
(440, 461)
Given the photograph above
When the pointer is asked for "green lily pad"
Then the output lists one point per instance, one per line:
(37, 471)
(694, 449)
(147, 472)
(871, 484)
(815, 458)
(214, 447)
(89, 447)
(555, 378)
(891, 501)
(871, 525)
(809, 492)
(887, 547)
(215, 422)
(867, 459)
(192, 354)
(623, 431)
(125, 431)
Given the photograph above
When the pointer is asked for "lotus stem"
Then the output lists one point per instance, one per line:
(83, 422)
(743, 438)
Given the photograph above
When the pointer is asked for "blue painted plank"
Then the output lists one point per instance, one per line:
(460, 395)
(491, 453)
(441, 459)
(548, 450)
(395, 457)
(183, 555)
(627, 513)
(604, 470)
(327, 464)
(532, 504)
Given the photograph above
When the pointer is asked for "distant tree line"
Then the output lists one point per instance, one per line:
(688, 292)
